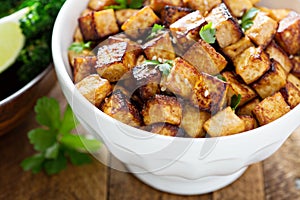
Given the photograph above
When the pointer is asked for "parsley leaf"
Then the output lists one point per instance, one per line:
(123, 4)
(78, 47)
(155, 30)
(208, 34)
(54, 141)
(219, 76)
(164, 67)
(246, 21)
(235, 101)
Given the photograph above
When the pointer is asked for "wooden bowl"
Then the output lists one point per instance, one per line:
(14, 108)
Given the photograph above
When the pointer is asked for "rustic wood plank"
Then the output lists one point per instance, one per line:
(76, 182)
(282, 170)
(248, 187)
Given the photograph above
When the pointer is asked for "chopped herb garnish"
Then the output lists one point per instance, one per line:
(123, 4)
(54, 142)
(78, 47)
(155, 30)
(219, 76)
(164, 67)
(247, 18)
(235, 101)
(208, 34)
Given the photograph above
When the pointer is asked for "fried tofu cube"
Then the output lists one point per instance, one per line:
(288, 33)
(205, 58)
(276, 53)
(114, 60)
(99, 24)
(120, 108)
(83, 67)
(160, 48)
(98, 5)
(296, 66)
(250, 122)
(158, 5)
(254, 1)
(228, 30)
(263, 29)
(204, 6)
(252, 64)
(162, 108)
(224, 123)
(209, 93)
(276, 14)
(181, 79)
(294, 80)
(73, 54)
(171, 14)
(193, 120)
(94, 88)
(238, 7)
(147, 79)
(233, 50)
(291, 94)
(236, 87)
(271, 82)
(270, 109)
(124, 14)
(165, 129)
(248, 107)
(137, 24)
(132, 45)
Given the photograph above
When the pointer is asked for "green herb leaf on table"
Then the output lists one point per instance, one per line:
(208, 33)
(235, 101)
(78, 47)
(55, 142)
(247, 18)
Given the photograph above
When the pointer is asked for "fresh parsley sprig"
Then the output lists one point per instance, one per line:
(208, 33)
(54, 142)
(235, 101)
(123, 4)
(247, 19)
(155, 30)
(78, 47)
(164, 67)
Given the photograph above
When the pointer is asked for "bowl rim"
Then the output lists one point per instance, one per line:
(62, 72)
(27, 86)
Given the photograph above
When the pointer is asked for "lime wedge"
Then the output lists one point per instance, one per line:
(11, 43)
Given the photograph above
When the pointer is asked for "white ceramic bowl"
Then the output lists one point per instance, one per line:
(177, 165)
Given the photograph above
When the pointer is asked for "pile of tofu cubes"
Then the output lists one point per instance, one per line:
(174, 83)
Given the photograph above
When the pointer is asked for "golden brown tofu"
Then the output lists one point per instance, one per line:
(115, 60)
(162, 108)
(98, 24)
(228, 30)
(252, 64)
(132, 45)
(276, 14)
(137, 24)
(232, 51)
(159, 48)
(294, 80)
(182, 78)
(248, 107)
(205, 58)
(296, 66)
(238, 7)
(120, 108)
(124, 14)
(270, 109)
(263, 29)
(193, 120)
(288, 33)
(254, 1)
(236, 87)
(291, 94)
(280, 56)
(250, 122)
(77, 35)
(204, 6)
(209, 93)
(94, 88)
(165, 129)
(83, 67)
(271, 82)
(225, 122)
(171, 14)
(158, 5)
(73, 54)
(99, 4)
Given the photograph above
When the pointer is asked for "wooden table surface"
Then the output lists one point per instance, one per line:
(278, 177)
